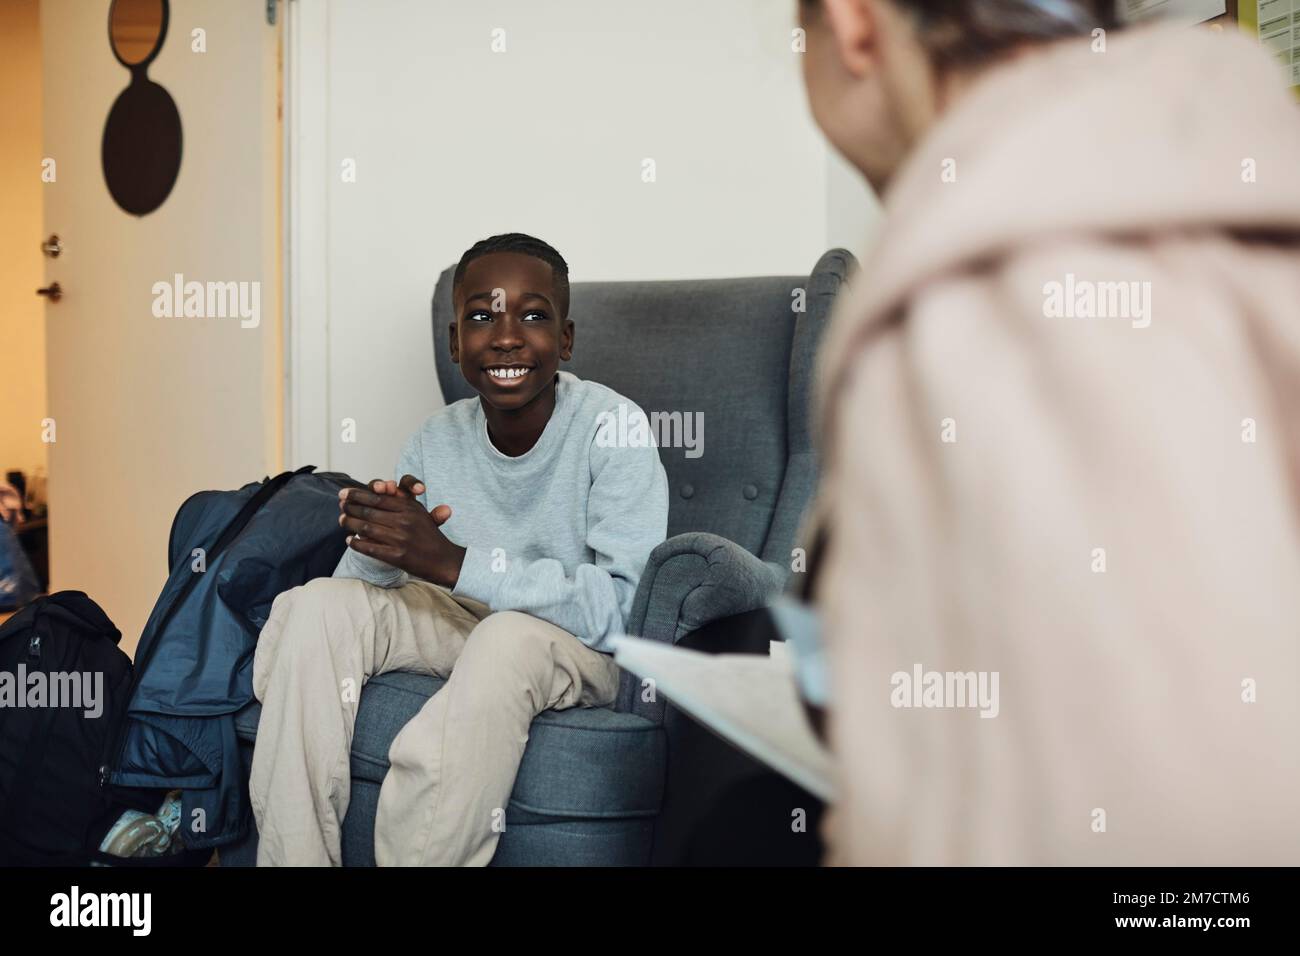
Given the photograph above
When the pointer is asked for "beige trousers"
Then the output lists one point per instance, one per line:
(453, 765)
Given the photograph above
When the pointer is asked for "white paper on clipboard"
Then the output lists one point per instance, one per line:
(751, 700)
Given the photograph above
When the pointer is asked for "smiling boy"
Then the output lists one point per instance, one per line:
(503, 557)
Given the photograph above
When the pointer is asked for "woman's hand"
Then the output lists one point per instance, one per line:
(390, 524)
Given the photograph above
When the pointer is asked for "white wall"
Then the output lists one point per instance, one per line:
(453, 142)
(853, 212)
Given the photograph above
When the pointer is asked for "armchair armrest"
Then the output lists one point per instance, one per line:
(694, 578)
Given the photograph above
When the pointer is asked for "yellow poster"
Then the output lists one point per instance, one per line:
(1276, 24)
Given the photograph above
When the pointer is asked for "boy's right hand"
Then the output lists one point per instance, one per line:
(408, 487)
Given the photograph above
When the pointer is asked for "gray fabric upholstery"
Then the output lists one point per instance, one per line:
(735, 350)
(690, 580)
(730, 348)
(591, 780)
(557, 776)
(536, 841)
(827, 279)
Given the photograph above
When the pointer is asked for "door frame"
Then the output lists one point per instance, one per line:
(306, 233)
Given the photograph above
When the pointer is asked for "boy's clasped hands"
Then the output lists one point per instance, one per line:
(389, 523)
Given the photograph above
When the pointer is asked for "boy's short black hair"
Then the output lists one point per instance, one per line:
(527, 245)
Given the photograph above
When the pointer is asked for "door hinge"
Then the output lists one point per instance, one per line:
(270, 12)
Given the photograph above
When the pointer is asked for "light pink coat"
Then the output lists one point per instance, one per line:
(1148, 713)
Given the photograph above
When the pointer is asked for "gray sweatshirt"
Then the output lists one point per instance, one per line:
(561, 532)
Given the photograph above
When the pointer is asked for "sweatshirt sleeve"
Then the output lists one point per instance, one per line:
(627, 516)
(354, 564)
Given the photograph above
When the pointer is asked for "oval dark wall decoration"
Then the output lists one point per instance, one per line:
(141, 152)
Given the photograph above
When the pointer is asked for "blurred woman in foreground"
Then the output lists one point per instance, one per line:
(1060, 415)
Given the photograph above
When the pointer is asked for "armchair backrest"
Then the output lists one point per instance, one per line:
(727, 365)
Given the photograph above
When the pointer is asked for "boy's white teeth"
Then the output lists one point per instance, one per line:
(506, 372)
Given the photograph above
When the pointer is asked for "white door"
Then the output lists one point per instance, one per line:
(145, 408)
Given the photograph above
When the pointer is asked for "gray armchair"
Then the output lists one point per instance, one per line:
(591, 781)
